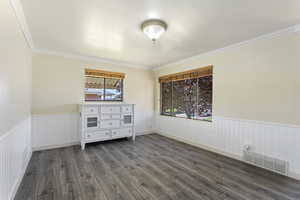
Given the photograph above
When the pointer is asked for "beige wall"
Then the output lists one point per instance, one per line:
(15, 71)
(255, 85)
(58, 88)
(257, 81)
(58, 84)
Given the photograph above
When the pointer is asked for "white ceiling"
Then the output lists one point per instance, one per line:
(110, 29)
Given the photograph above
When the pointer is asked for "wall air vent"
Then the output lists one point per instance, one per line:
(266, 162)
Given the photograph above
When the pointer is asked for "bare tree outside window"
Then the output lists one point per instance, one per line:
(166, 98)
(205, 98)
(189, 98)
(184, 98)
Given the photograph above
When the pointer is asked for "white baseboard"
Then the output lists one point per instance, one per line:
(144, 132)
(208, 148)
(294, 175)
(20, 177)
(218, 151)
(48, 147)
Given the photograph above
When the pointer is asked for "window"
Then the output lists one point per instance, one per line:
(103, 86)
(166, 100)
(188, 94)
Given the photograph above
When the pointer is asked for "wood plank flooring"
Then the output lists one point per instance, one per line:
(153, 167)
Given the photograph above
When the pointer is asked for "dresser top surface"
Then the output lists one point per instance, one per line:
(105, 104)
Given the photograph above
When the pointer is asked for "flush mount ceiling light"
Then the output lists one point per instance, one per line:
(154, 28)
(297, 29)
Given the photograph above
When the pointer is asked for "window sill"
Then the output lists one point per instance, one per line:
(200, 120)
(103, 101)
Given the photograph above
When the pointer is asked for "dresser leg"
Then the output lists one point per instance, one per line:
(82, 146)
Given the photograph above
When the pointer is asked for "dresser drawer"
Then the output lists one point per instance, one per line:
(105, 116)
(116, 116)
(110, 109)
(92, 110)
(119, 133)
(98, 135)
(127, 109)
(112, 116)
(110, 124)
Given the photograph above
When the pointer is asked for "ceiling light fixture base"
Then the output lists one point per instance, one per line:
(297, 29)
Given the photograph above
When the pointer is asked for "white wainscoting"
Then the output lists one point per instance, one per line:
(60, 130)
(15, 153)
(228, 136)
(54, 130)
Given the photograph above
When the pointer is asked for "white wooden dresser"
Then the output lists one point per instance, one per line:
(100, 122)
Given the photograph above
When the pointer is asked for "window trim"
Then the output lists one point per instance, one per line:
(171, 114)
(190, 74)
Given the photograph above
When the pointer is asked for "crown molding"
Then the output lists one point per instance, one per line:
(90, 58)
(18, 10)
(292, 29)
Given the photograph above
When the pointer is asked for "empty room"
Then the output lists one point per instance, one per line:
(149, 100)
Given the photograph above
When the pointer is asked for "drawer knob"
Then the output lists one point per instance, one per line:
(110, 123)
(92, 110)
(88, 136)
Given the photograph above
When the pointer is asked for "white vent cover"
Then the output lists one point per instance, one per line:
(273, 164)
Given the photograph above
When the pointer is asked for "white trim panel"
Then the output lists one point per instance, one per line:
(77, 143)
(41, 148)
(54, 130)
(144, 132)
(228, 136)
(60, 130)
(15, 153)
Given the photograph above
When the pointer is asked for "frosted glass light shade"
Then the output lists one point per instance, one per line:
(154, 28)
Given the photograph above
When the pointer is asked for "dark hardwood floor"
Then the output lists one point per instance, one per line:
(154, 167)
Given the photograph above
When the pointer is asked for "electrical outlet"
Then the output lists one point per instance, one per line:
(247, 147)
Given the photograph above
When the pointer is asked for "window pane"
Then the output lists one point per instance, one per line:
(184, 98)
(113, 89)
(166, 98)
(205, 94)
(94, 89)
